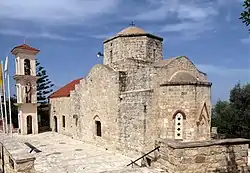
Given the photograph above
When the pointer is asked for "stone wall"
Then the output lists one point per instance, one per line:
(99, 101)
(154, 51)
(140, 48)
(222, 156)
(15, 156)
(180, 88)
(190, 100)
(135, 107)
(248, 157)
(60, 107)
(75, 110)
(166, 69)
(25, 111)
(137, 96)
(138, 79)
(129, 104)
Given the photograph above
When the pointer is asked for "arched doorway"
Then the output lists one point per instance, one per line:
(55, 123)
(29, 124)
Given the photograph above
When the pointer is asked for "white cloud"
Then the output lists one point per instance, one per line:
(103, 36)
(223, 71)
(229, 2)
(46, 35)
(182, 9)
(184, 26)
(192, 18)
(189, 30)
(55, 11)
(196, 12)
(224, 79)
(228, 17)
(245, 40)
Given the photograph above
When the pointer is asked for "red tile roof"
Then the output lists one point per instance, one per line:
(65, 91)
(26, 47)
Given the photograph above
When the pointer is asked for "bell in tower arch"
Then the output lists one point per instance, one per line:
(28, 89)
(27, 67)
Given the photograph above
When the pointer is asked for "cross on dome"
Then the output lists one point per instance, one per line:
(132, 23)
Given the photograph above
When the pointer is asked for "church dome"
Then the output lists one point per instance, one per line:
(132, 30)
(183, 77)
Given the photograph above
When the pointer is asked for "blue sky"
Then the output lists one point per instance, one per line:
(69, 33)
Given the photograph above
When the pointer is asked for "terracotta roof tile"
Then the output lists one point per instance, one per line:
(26, 47)
(65, 91)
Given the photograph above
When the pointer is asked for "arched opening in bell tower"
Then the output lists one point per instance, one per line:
(27, 68)
(28, 93)
(29, 124)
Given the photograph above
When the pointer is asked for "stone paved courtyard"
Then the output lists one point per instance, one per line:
(65, 155)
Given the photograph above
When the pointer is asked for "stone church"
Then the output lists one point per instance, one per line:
(135, 97)
(136, 102)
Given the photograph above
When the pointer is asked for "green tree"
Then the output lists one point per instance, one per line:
(14, 110)
(233, 118)
(44, 84)
(240, 104)
(245, 15)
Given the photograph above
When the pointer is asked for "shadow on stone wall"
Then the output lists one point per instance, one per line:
(231, 164)
(44, 122)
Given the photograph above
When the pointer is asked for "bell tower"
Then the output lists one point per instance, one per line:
(25, 76)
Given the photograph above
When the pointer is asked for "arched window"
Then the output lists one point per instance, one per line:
(63, 121)
(27, 67)
(154, 54)
(55, 124)
(98, 126)
(178, 125)
(111, 56)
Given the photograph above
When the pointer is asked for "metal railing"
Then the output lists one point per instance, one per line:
(2, 157)
(133, 162)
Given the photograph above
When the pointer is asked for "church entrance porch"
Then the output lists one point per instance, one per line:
(29, 124)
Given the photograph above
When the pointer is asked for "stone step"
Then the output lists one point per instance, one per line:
(134, 170)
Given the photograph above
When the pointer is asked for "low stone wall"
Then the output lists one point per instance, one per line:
(221, 156)
(248, 157)
(15, 156)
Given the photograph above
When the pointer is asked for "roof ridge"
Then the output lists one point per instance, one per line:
(26, 47)
(66, 89)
